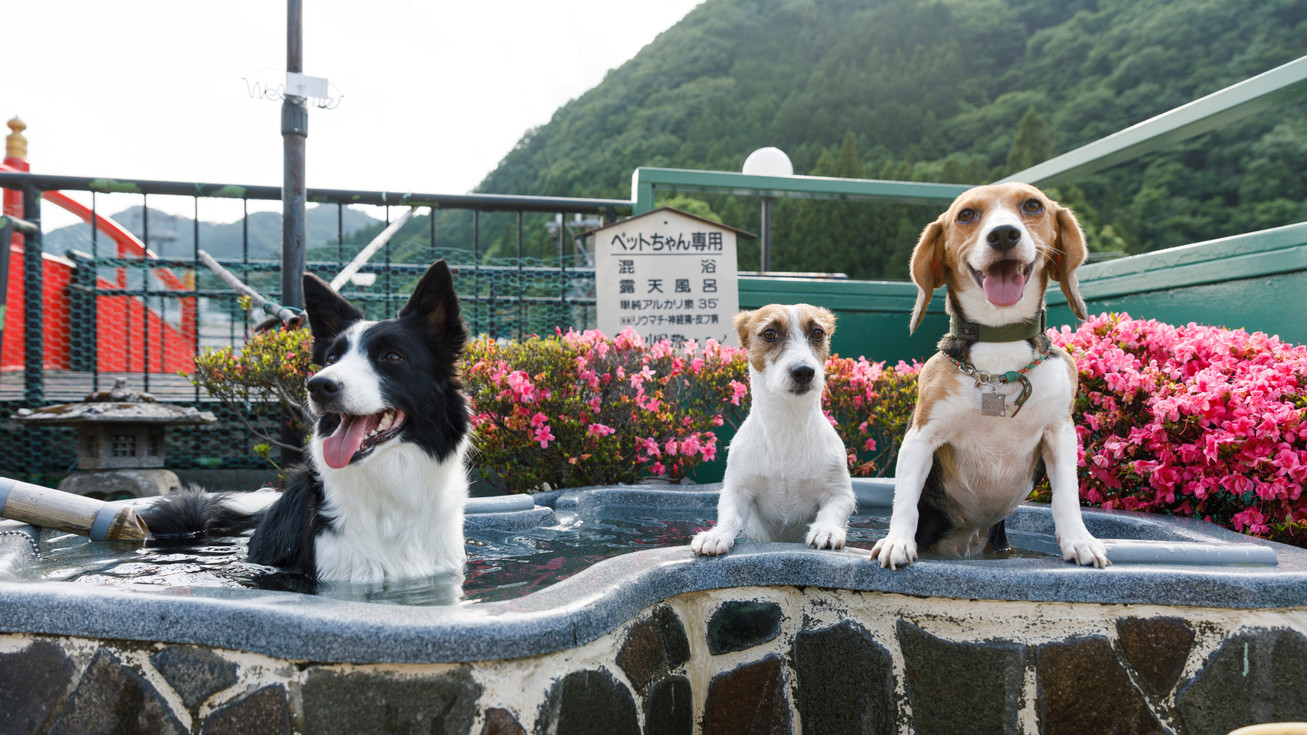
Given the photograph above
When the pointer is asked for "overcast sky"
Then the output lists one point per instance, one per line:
(434, 92)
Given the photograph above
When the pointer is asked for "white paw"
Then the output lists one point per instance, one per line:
(711, 543)
(826, 537)
(1085, 550)
(893, 553)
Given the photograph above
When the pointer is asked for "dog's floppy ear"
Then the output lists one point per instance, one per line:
(927, 269)
(1068, 253)
(329, 313)
(435, 302)
(742, 327)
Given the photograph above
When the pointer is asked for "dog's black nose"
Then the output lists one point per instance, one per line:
(802, 374)
(1003, 238)
(322, 388)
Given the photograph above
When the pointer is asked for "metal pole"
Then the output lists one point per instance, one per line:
(9, 224)
(765, 239)
(145, 295)
(294, 131)
(521, 286)
(33, 302)
(287, 315)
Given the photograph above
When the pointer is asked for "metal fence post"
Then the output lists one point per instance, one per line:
(33, 303)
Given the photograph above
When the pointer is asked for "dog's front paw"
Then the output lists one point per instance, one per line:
(826, 537)
(893, 553)
(1085, 550)
(711, 543)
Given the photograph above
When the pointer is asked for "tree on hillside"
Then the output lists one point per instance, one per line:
(929, 96)
(1032, 146)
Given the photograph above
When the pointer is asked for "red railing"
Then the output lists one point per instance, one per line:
(155, 345)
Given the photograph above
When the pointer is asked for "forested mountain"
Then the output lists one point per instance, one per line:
(173, 236)
(961, 91)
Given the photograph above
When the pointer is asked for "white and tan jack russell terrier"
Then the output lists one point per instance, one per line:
(994, 404)
(787, 472)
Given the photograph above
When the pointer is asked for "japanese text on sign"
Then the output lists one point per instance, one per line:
(668, 276)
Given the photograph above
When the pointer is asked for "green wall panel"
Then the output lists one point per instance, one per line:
(1256, 282)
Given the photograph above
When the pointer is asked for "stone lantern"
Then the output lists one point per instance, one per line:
(120, 441)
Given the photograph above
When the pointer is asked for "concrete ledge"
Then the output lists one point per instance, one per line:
(601, 598)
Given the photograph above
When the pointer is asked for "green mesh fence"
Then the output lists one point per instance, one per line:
(106, 312)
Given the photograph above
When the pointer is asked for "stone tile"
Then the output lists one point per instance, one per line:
(590, 702)
(1156, 648)
(362, 701)
(1082, 688)
(642, 655)
(501, 722)
(845, 681)
(194, 673)
(653, 646)
(111, 698)
(32, 682)
(749, 700)
(962, 687)
(738, 625)
(1254, 677)
(265, 712)
(669, 708)
(673, 635)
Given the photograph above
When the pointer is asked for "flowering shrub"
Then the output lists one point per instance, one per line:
(1192, 421)
(578, 409)
(258, 379)
(870, 406)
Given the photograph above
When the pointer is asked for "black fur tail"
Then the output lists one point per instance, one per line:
(193, 514)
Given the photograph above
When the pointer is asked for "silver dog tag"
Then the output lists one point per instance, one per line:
(993, 404)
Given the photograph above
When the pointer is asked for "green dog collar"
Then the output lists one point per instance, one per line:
(974, 332)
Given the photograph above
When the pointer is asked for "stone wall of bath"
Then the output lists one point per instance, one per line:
(746, 660)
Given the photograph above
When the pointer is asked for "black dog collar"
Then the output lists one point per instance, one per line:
(974, 332)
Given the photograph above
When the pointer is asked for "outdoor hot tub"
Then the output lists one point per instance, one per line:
(1193, 629)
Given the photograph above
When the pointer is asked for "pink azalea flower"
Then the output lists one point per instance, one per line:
(544, 436)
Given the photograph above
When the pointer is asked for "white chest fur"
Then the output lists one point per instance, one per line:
(993, 456)
(787, 461)
(399, 514)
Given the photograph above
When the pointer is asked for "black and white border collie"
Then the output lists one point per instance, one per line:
(382, 494)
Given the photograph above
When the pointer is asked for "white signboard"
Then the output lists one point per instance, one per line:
(300, 85)
(668, 275)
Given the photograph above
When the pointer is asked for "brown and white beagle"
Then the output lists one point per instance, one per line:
(994, 404)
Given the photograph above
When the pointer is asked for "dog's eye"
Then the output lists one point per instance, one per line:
(1032, 206)
(968, 215)
(770, 335)
(392, 356)
(817, 334)
(331, 358)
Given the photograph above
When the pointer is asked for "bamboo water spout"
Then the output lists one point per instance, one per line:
(49, 508)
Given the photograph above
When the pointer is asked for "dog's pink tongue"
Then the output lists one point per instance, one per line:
(340, 447)
(1004, 283)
